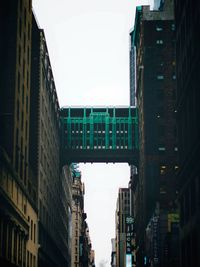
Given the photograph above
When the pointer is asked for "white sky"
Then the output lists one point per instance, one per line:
(88, 43)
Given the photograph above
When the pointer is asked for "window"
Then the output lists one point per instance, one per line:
(160, 77)
(159, 29)
(161, 148)
(173, 27)
(159, 42)
(163, 169)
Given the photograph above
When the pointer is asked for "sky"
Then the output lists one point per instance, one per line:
(88, 44)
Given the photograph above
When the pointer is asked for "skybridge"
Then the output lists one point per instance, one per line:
(99, 134)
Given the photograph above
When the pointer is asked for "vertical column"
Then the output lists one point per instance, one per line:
(84, 129)
(91, 130)
(107, 120)
(129, 129)
(69, 132)
(136, 130)
(114, 130)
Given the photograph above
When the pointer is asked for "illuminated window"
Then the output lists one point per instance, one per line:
(159, 42)
(161, 148)
(163, 169)
(159, 29)
(160, 77)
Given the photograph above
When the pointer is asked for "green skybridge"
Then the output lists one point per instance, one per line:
(99, 134)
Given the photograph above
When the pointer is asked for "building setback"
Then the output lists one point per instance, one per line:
(188, 110)
(156, 187)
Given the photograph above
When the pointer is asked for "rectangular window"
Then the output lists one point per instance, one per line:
(163, 169)
(160, 42)
(159, 29)
(160, 77)
(161, 148)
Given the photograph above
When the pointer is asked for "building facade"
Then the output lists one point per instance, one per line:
(18, 189)
(188, 96)
(77, 215)
(53, 190)
(156, 187)
(122, 212)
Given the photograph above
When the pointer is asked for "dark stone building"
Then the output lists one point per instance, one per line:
(156, 187)
(187, 16)
(18, 189)
(54, 184)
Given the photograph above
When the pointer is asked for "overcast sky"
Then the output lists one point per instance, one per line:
(88, 43)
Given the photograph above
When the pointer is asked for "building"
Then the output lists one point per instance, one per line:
(18, 189)
(92, 258)
(113, 253)
(188, 97)
(53, 181)
(122, 212)
(156, 187)
(132, 69)
(77, 215)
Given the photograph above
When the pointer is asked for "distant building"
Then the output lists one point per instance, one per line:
(82, 253)
(92, 258)
(77, 215)
(113, 253)
(18, 189)
(122, 211)
(132, 74)
(156, 187)
(188, 110)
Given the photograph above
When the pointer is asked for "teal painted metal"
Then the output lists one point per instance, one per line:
(99, 129)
